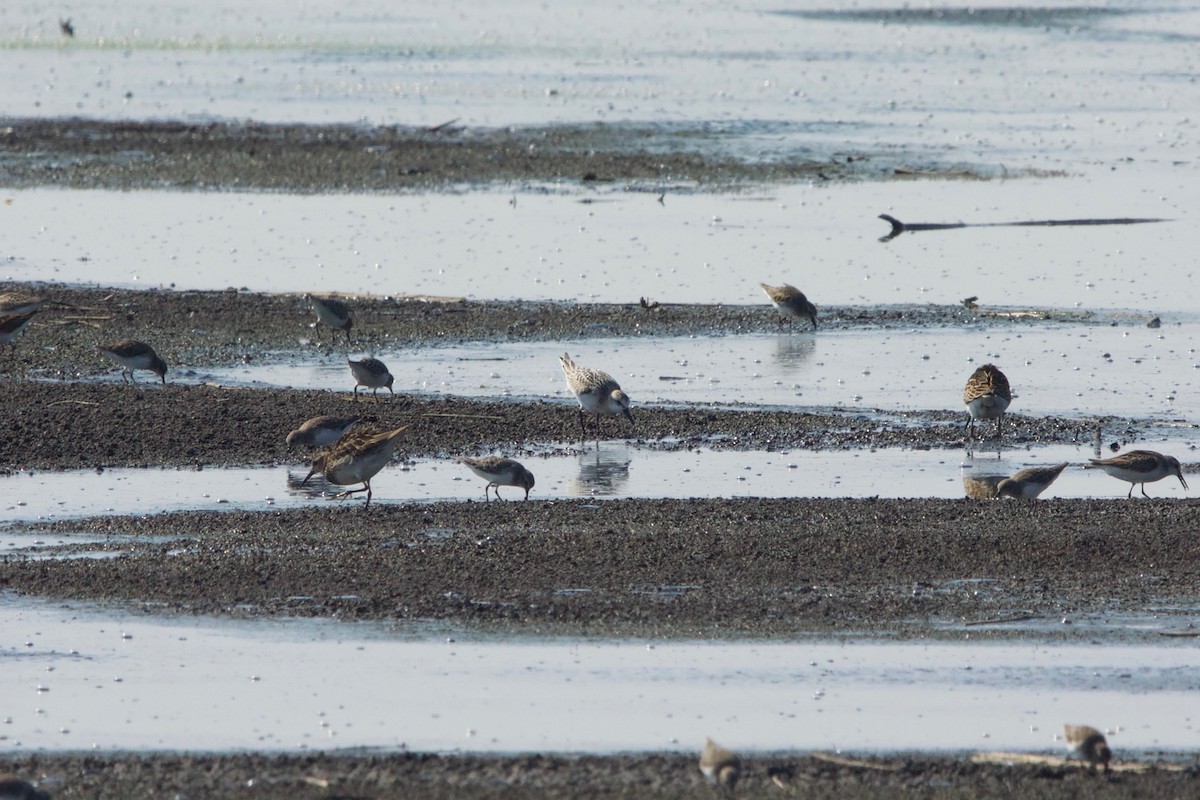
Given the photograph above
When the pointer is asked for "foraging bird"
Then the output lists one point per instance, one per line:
(987, 396)
(356, 458)
(332, 312)
(1029, 483)
(1089, 744)
(791, 302)
(498, 471)
(372, 373)
(66, 28)
(1141, 466)
(721, 767)
(13, 303)
(596, 391)
(132, 354)
(320, 431)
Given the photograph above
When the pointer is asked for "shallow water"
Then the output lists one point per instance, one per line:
(83, 677)
(613, 470)
(1048, 87)
(1124, 369)
(713, 248)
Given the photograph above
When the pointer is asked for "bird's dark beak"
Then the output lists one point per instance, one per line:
(629, 415)
(1181, 480)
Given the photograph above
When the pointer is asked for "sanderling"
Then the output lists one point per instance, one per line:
(791, 302)
(356, 458)
(13, 324)
(721, 767)
(987, 395)
(320, 431)
(1089, 744)
(1029, 483)
(499, 471)
(597, 391)
(1141, 466)
(372, 373)
(332, 312)
(132, 354)
(13, 788)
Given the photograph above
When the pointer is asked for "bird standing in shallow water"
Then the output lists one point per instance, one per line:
(791, 302)
(372, 373)
(132, 354)
(332, 312)
(987, 396)
(1089, 744)
(1141, 466)
(499, 471)
(721, 767)
(356, 458)
(596, 391)
(1029, 483)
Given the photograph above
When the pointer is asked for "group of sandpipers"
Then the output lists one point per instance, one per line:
(988, 395)
(355, 454)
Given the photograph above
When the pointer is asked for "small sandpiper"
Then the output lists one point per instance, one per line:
(332, 312)
(356, 458)
(320, 431)
(499, 471)
(13, 303)
(1089, 744)
(372, 373)
(596, 391)
(1141, 466)
(1029, 483)
(987, 396)
(132, 354)
(791, 302)
(13, 788)
(12, 325)
(720, 767)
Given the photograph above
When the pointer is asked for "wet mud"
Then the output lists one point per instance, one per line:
(93, 154)
(652, 775)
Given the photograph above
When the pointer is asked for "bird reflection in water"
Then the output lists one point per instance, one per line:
(604, 471)
(794, 351)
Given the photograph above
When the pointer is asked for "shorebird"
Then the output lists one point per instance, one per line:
(12, 325)
(372, 373)
(132, 354)
(721, 767)
(1029, 483)
(1141, 466)
(13, 788)
(498, 471)
(13, 303)
(320, 431)
(987, 396)
(67, 29)
(596, 391)
(332, 312)
(791, 302)
(356, 458)
(1089, 744)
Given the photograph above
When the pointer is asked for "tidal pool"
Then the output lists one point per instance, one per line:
(80, 676)
(612, 469)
